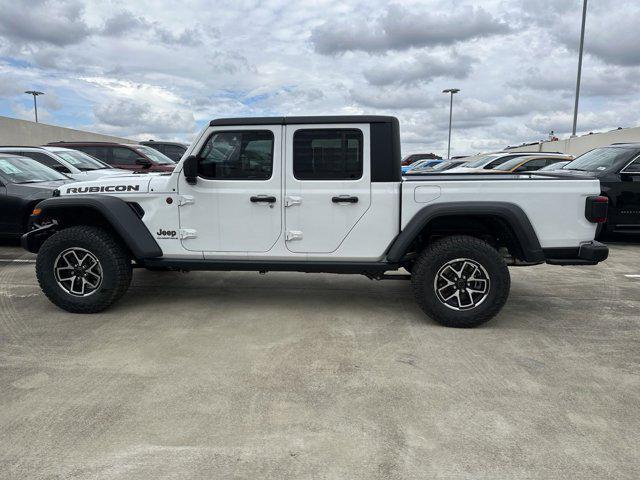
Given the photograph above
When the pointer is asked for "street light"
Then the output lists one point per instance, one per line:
(451, 91)
(575, 108)
(35, 104)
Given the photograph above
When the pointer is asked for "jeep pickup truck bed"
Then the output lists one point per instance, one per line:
(314, 194)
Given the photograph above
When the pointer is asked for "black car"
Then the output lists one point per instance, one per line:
(618, 169)
(23, 183)
(173, 150)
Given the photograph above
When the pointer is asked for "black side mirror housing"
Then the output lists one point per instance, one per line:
(190, 169)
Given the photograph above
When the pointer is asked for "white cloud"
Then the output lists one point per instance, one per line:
(155, 69)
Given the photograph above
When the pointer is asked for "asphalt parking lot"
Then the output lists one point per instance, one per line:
(238, 375)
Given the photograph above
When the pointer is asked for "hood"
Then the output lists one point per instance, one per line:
(113, 184)
(35, 190)
(564, 172)
(101, 173)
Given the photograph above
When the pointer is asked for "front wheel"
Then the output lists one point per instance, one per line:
(83, 269)
(460, 281)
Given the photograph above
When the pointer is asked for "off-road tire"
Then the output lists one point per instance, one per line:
(435, 256)
(114, 260)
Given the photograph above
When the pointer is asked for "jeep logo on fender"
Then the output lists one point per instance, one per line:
(108, 188)
(166, 233)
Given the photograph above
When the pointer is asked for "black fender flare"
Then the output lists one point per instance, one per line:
(512, 214)
(120, 216)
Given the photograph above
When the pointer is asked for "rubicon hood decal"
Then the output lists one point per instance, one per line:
(103, 189)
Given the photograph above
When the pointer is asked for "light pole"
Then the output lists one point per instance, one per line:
(35, 93)
(575, 108)
(451, 91)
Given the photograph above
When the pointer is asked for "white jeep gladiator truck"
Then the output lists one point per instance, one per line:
(314, 194)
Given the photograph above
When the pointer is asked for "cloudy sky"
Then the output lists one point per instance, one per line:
(161, 69)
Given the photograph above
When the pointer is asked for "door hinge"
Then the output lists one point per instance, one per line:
(187, 233)
(290, 201)
(293, 235)
(185, 200)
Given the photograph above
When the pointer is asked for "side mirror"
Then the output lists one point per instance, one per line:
(190, 169)
(144, 162)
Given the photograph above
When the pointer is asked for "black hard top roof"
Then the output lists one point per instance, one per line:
(303, 120)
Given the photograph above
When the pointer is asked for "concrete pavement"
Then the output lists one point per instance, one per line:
(237, 375)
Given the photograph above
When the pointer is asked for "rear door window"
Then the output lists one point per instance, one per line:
(327, 154)
(99, 152)
(532, 165)
(124, 156)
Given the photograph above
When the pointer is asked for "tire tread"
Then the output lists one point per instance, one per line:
(432, 255)
(105, 241)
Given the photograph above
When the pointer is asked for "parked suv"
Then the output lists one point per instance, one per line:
(492, 160)
(528, 164)
(73, 163)
(173, 150)
(138, 158)
(618, 169)
(23, 184)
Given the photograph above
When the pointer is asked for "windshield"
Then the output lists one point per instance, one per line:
(80, 160)
(25, 170)
(445, 165)
(416, 164)
(155, 155)
(426, 164)
(509, 164)
(554, 166)
(601, 159)
(479, 162)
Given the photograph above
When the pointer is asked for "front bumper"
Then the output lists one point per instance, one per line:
(33, 239)
(590, 253)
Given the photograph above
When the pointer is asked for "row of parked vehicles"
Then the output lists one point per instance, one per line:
(501, 162)
(31, 174)
(616, 166)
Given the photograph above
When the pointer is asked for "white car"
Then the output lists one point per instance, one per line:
(73, 163)
(492, 160)
(314, 194)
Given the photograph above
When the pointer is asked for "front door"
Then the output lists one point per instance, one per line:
(327, 184)
(237, 199)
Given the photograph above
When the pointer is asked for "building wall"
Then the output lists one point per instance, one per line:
(579, 145)
(24, 133)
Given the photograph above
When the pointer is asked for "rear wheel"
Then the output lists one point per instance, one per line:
(83, 269)
(460, 281)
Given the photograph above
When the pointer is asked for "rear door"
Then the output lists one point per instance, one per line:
(327, 184)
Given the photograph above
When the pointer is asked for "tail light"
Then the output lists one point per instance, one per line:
(596, 209)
